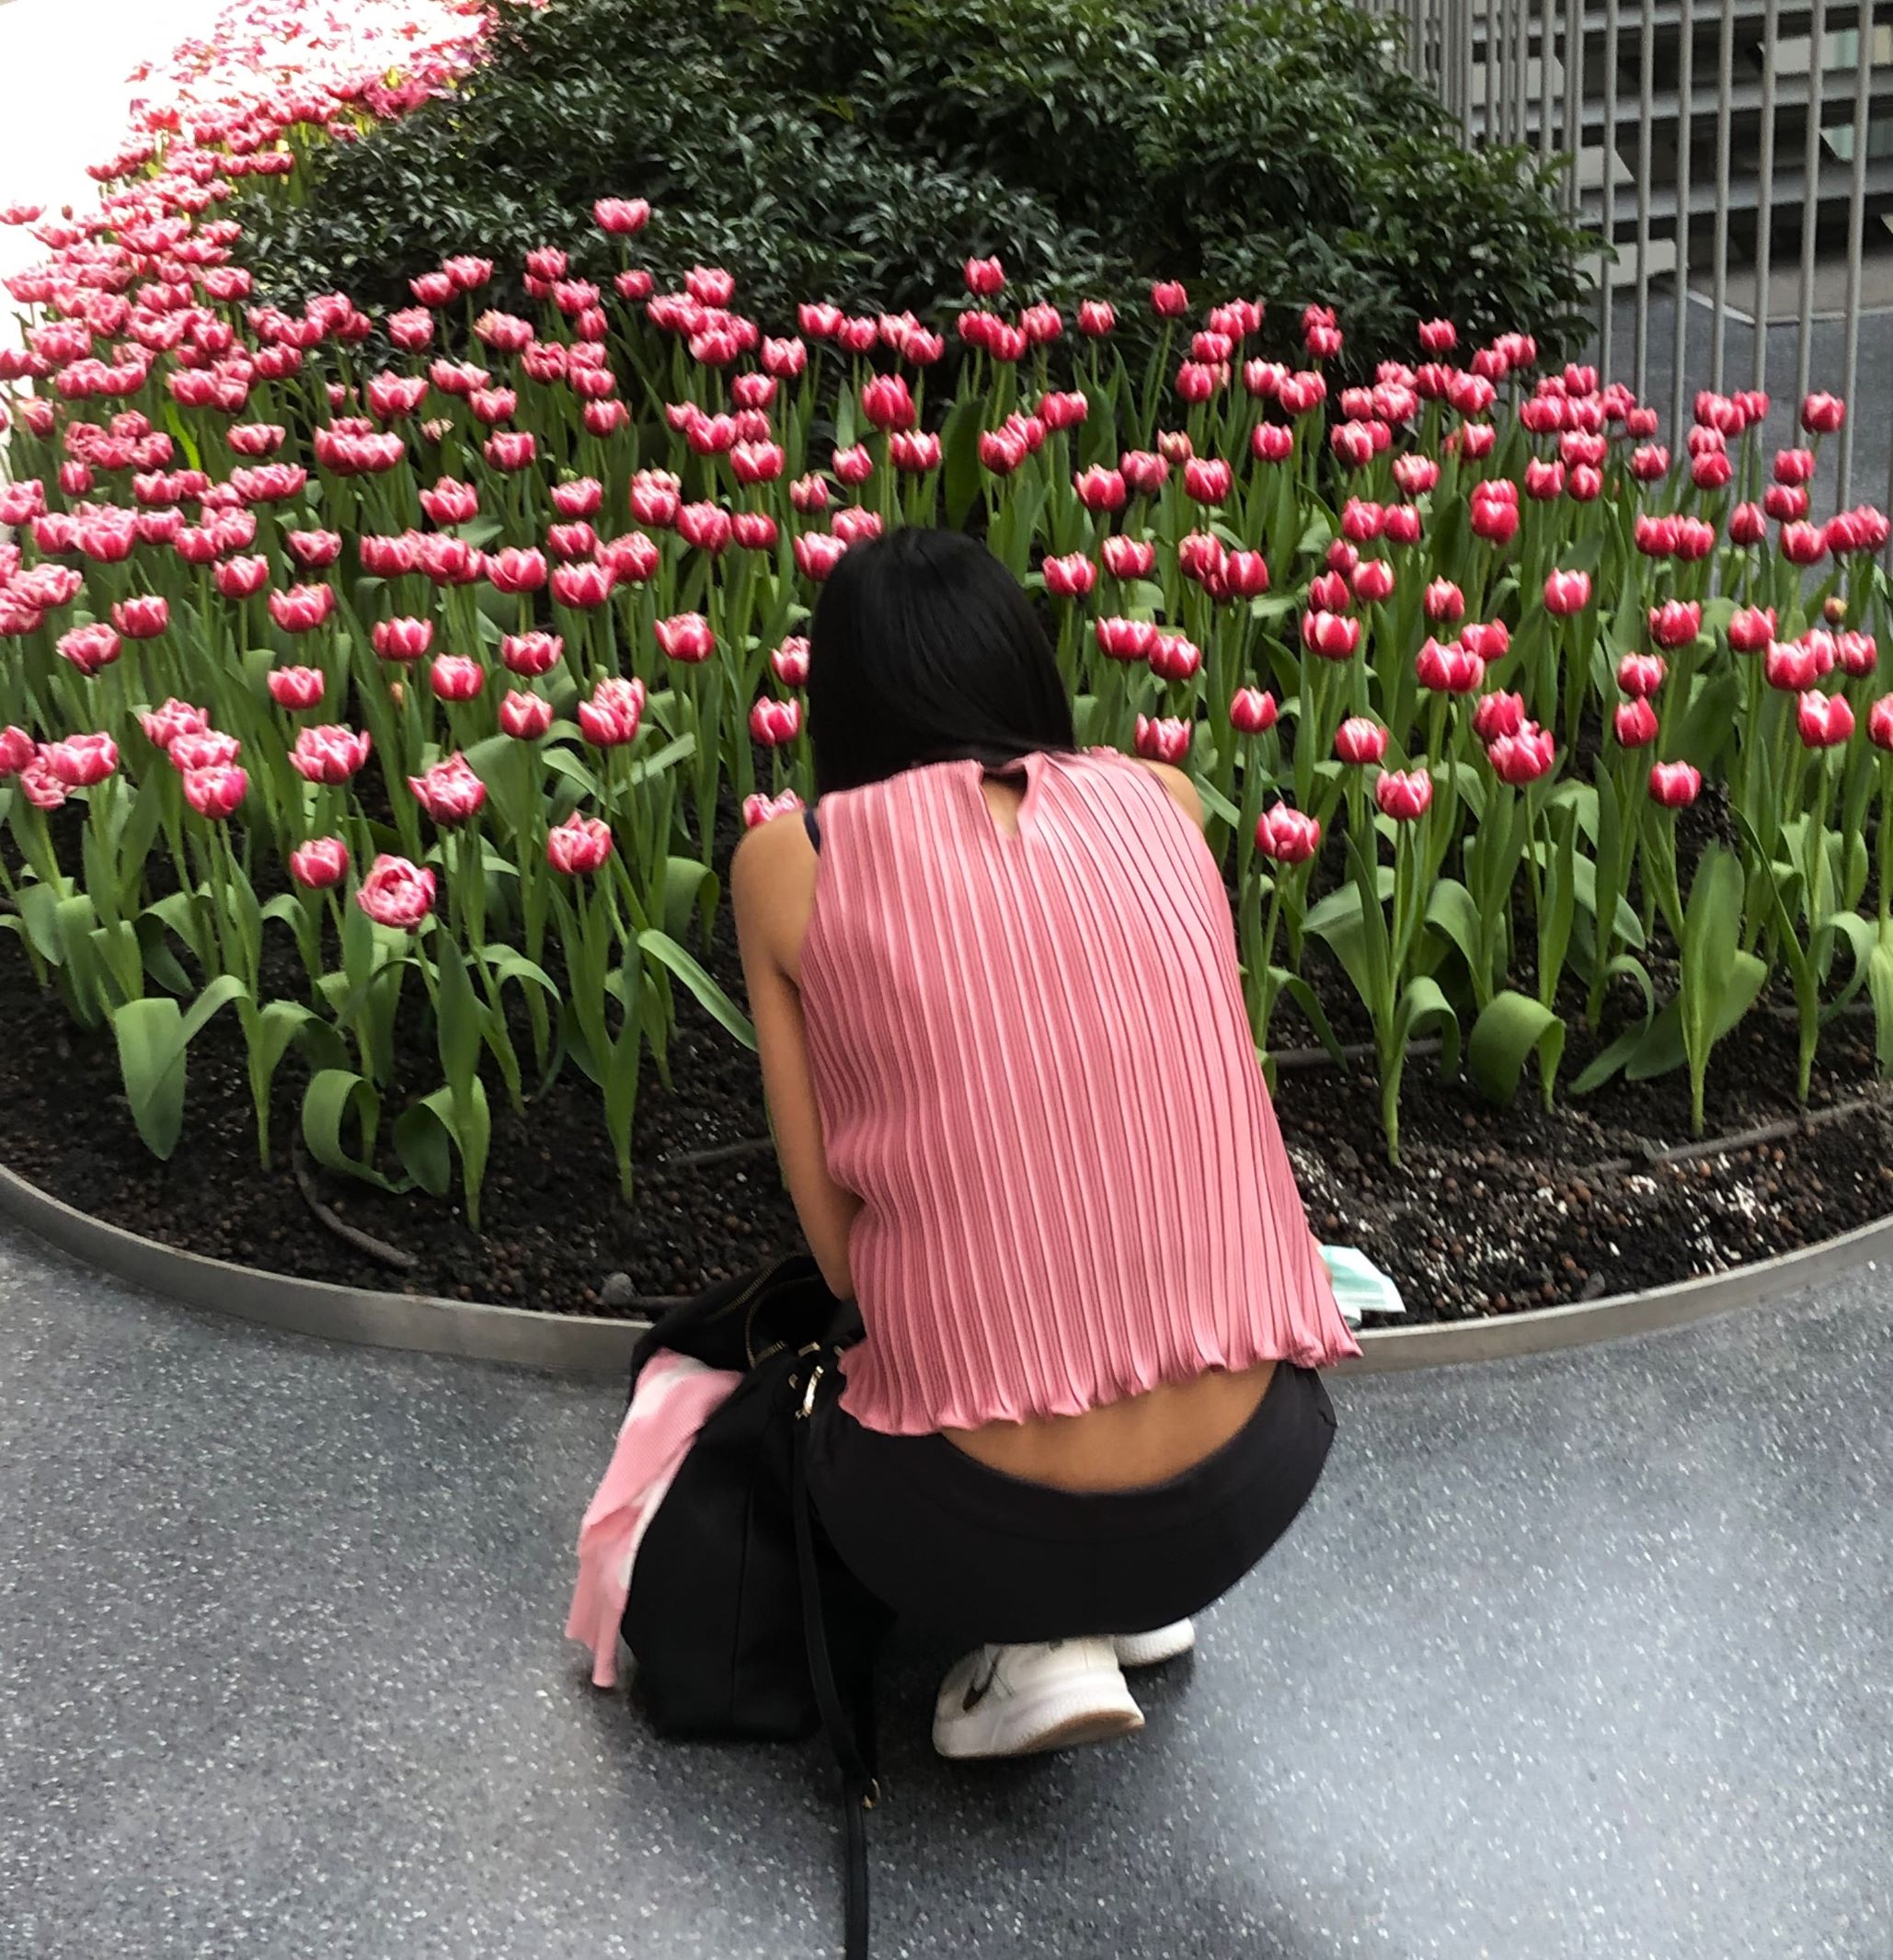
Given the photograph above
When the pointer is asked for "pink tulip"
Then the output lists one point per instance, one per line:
(80, 761)
(1566, 593)
(581, 586)
(1415, 475)
(1128, 558)
(853, 467)
(1362, 520)
(397, 893)
(1360, 740)
(1200, 556)
(1443, 603)
(216, 792)
(1207, 479)
(296, 688)
(685, 637)
(579, 845)
(1803, 543)
(1101, 487)
(1493, 518)
(1096, 317)
(1165, 740)
(1497, 715)
(1070, 576)
(17, 749)
(1332, 635)
(1271, 442)
(818, 554)
(789, 661)
(1821, 415)
(1746, 525)
(1675, 786)
(1635, 722)
(620, 216)
(451, 503)
(401, 639)
(1522, 758)
(301, 608)
(1752, 628)
(887, 403)
(319, 864)
(1824, 721)
(450, 792)
(1400, 524)
(914, 449)
(1243, 574)
(1125, 639)
(1675, 623)
(1252, 712)
(1784, 501)
(142, 617)
(90, 649)
(242, 578)
(1438, 336)
(1404, 793)
(1174, 657)
(1372, 580)
(524, 717)
(774, 724)
(1449, 669)
(1288, 836)
(759, 809)
(314, 551)
(162, 726)
(1858, 653)
(1641, 674)
(1880, 723)
(611, 718)
(1169, 300)
(455, 677)
(328, 754)
(1792, 666)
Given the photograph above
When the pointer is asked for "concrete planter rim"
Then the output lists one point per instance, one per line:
(590, 1344)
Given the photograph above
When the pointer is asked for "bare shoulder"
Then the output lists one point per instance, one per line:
(1182, 791)
(772, 872)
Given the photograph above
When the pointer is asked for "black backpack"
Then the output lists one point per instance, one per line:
(744, 1623)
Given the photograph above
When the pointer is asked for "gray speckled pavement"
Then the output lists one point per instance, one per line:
(1586, 1655)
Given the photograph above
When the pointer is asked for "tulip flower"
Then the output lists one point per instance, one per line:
(579, 845)
(1404, 795)
(1333, 636)
(685, 637)
(524, 717)
(17, 750)
(401, 639)
(887, 403)
(1096, 317)
(89, 649)
(610, 719)
(1857, 653)
(1880, 723)
(774, 724)
(455, 677)
(301, 608)
(1242, 575)
(1521, 758)
(319, 864)
(1400, 524)
(1173, 657)
(215, 792)
(1101, 487)
(1451, 669)
(1674, 785)
(1824, 721)
(1252, 712)
(1125, 639)
(1821, 415)
(1675, 623)
(1070, 576)
(1127, 557)
(1443, 603)
(759, 809)
(1792, 666)
(296, 688)
(1360, 740)
(328, 753)
(620, 216)
(397, 893)
(1635, 722)
(1566, 593)
(1641, 674)
(1493, 519)
(1287, 836)
(818, 554)
(142, 617)
(1803, 543)
(1271, 442)
(1490, 640)
(450, 792)
(80, 761)
(914, 449)
(581, 586)
(1163, 741)
(242, 578)
(1169, 300)
(1497, 715)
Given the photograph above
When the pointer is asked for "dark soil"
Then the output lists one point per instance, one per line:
(1490, 1210)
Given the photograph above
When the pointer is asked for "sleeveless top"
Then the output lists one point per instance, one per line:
(1034, 1067)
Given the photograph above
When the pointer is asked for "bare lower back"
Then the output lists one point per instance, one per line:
(1144, 1439)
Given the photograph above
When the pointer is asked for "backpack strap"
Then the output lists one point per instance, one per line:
(852, 1744)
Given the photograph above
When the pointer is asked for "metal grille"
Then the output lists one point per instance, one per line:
(1735, 156)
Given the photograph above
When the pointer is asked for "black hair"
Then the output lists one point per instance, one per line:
(926, 649)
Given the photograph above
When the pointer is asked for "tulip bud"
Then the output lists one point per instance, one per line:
(1373, 580)
(215, 792)
(1252, 712)
(1168, 299)
(1207, 479)
(1404, 793)
(1095, 317)
(1360, 740)
(579, 845)
(759, 809)
(142, 617)
(1635, 722)
(319, 864)
(397, 893)
(1803, 543)
(1752, 628)
(1287, 836)
(1128, 558)
(685, 637)
(1523, 757)
(1824, 721)
(1444, 602)
(1333, 636)
(1271, 442)
(1125, 639)
(89, 649)
(1822, 414)
(1451, 669)
(1497, 715)
(1070, 576)
(1674, 785)
(1165, 741)
(296, 688)
(455, 677)
(1173, 657)
(1100, 488)
(1880, 723)
(1675, 623)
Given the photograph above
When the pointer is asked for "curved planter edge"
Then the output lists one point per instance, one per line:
(584, 1344)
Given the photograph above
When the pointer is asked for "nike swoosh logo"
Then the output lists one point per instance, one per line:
(977, 1690)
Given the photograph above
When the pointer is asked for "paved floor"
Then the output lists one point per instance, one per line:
(1587, 1656)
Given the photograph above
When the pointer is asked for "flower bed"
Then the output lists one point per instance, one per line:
(369, 711)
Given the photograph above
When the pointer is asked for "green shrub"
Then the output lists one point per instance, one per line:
(827, 149)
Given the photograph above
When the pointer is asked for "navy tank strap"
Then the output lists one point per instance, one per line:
(813, 827)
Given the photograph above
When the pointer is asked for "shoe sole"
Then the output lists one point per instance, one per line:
(1058, 1724)
(1145, 1650)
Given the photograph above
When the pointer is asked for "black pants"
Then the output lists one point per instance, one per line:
(987, 1556)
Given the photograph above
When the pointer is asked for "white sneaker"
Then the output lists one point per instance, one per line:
(1151, 1650)
(1018, 1700)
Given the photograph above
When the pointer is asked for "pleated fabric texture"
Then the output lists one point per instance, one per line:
(1034, 1066)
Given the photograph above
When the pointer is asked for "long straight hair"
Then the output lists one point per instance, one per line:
(926, 649)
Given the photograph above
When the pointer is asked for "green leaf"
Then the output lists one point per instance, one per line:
(1217, 804)
(665, 950)
(1511, 1026)
(960, 457)
(687, 882)
(1451, 909)
(333, 1098)
(151, 1060)
(424, 1144)
(1879, 982)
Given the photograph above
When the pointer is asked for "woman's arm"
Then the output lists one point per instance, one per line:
(772, 889)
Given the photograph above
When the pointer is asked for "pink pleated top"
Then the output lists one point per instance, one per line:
(1034, 1067)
